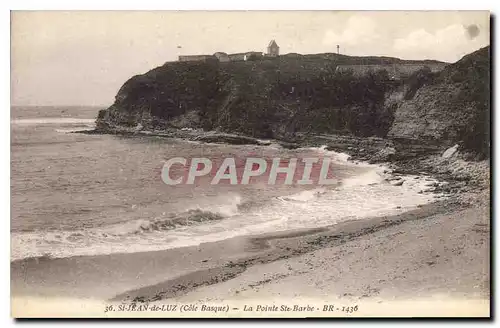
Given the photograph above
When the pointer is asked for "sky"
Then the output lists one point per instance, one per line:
(83, 57)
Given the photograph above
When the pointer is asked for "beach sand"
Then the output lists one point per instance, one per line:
(436, 256)
(433, 260)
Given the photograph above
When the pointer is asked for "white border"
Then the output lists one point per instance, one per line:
(182, 5)
(251, 5)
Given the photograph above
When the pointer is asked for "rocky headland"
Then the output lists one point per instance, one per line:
(298, 101)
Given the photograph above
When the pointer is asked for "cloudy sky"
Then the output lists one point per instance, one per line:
(82, 58)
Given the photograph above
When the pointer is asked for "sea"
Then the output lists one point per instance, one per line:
(75, 194)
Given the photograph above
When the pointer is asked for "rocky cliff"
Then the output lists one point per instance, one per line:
(450, 107)
(269, 97)
(280, 97)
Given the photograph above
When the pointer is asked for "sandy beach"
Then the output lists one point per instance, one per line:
(438, 253)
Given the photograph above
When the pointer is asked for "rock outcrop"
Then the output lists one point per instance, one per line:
(283, 97)
(453, 106)
(266, 98)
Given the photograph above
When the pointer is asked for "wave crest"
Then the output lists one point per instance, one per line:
(188, 218)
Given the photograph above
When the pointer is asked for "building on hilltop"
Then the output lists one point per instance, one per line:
(222, 56)
(273, 50)
(244, 56)
(203, 58)
(252, 55)
(237, 57)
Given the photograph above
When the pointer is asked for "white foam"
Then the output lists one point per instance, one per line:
(124, 237)
(342, 158)
(304, 196)
(357, 197)
(86, 128)
(227, 205)
(373, 176)
(52, 120)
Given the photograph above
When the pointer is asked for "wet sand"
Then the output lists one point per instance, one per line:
(438, 249)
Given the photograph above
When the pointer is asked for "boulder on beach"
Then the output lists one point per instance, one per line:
(385, 154)
(450, 152)
(398, 183)
(139, 127)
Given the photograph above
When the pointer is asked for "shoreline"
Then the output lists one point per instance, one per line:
(225, 271)
(178, 274)
(235, 253)
(400, 157)
(271, 247)
(390, 175)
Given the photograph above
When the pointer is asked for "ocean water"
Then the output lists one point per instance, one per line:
(76, 194)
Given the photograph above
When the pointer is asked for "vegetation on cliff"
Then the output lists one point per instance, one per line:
(452, 106)
(262, 98)
(277, 97)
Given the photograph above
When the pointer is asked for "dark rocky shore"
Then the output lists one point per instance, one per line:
(402, 157)
(303, 102)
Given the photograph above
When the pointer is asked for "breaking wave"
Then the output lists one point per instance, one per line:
(52, 120)
(365, 193)
(188, 218)
(105, 239)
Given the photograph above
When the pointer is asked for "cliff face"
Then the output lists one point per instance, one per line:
(262, 98)
(278, 97)
(451, 106)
